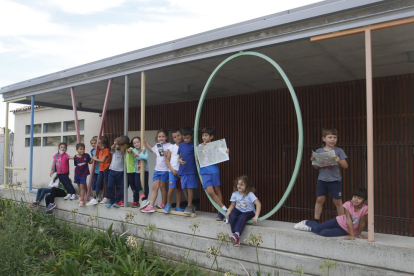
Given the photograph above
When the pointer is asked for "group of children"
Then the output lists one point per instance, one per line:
(176, 165)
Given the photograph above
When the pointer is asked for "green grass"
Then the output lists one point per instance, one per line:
(35, 244)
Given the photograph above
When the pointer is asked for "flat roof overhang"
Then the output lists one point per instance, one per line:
(178, 70)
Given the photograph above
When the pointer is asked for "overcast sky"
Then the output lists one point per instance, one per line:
(38, 37)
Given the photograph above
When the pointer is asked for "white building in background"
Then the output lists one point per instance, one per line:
(51, 126)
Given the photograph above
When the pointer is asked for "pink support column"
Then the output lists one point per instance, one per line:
(75, 110)
(105, 107)
(370, 134)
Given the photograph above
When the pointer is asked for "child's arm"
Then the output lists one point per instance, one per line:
(142, 156)
(258, 209)
(342, 163)
(350, 226)
(99, 160)
(149, 146)
(231, 207)
(314, 166)
(51, 168)
(361, 227)
(167, 161)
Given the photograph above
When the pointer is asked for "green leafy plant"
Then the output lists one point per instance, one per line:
(327, 264)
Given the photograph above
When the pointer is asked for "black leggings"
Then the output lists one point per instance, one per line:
(55, 192)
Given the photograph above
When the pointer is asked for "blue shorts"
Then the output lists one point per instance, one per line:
(189, 181)
(80, 180)
(211, 180)
(334, 188)
(174, 181)
(160, 175)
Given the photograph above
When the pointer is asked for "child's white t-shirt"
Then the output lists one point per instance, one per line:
(160, 164)
(174, 157)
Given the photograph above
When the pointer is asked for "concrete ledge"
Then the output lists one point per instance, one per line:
(282, 250)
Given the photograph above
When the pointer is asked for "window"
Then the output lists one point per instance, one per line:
(52, 127)
(72, 140)
(36, 128)
(51, 141)
(70, 125)
(37, 142)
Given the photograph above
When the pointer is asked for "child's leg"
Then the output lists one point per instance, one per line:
(234, 215)
(82, 191)
(172, 180)
(40, 194)
(154, 192)
(99, 183)
(178, 195)
(131, 183)
(110, 187)
(339, 206)
(335, 189)
(146, 186)
(170, 195)
(321, 192)
(218, 193)
(94, 179)
(329, 228)
(79, 188)
(106, 176)
(119, 187)
(319, 206)
(214, 196)
(64, 178)
(163, 188)
(240, 223)
(189, 194)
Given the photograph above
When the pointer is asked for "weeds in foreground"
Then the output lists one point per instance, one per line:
(328, 265)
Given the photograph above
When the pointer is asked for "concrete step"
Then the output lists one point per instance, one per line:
(283, 248)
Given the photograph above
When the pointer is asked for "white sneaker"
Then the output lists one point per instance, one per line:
(302, 226)
(92, 202)
(73, 197)
(67, 196)
(104, 201)
(99, 198)
(144, 204)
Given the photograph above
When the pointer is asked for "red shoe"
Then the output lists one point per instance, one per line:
(235, 239)
(135, 205)
(120, 204)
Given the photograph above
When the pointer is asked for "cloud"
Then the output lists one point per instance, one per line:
(19, 20)
(86, 7)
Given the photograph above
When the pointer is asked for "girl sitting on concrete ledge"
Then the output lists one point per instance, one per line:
(354, 220)
(242, 207)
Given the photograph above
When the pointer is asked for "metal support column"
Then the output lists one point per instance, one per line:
(105, 107)
(370, 134)
(31, 145)
(75, 110)
(142, 176)
(6, 145)
(126, 111)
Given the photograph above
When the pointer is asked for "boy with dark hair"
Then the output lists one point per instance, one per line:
(211, 175)
(116, 173)
(174, 183)
(81, 162)
(188, 170)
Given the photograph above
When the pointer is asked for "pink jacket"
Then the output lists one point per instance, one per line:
(61, 163)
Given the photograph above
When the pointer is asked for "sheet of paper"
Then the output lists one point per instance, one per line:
(324, 159)
(212, 153)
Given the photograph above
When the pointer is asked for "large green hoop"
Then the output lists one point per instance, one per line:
(298, 117)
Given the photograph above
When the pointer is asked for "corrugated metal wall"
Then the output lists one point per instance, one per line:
(261, 132)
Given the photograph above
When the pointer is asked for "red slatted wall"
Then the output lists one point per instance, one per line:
(261, 132)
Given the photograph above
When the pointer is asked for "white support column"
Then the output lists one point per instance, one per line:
(370, 134)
